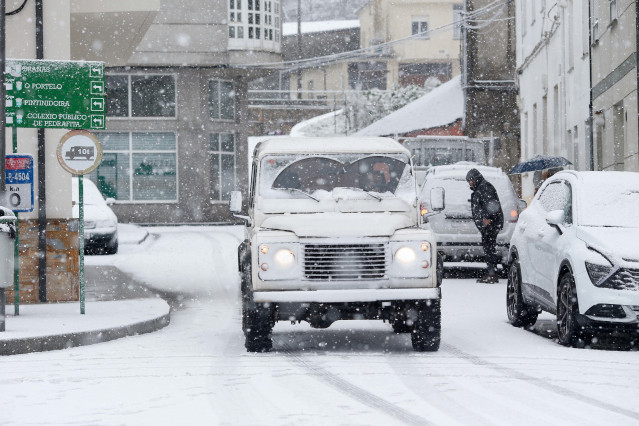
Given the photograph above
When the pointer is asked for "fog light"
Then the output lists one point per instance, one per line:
(264, 266)
(425, 246)
(606, 311)
(264, 249)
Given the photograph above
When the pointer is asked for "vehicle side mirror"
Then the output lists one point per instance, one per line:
(236, 202)
(110, 201)
(555, 218)
(437, 199)
(522, 204)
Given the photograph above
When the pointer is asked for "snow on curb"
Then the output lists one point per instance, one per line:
(60, 326)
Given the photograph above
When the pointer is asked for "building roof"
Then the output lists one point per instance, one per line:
(346, 145)
(441, 106)
(290, 28)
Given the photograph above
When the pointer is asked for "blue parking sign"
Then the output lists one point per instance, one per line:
(19, 182)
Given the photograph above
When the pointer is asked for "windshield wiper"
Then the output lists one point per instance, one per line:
(298, 190)
(361, 190)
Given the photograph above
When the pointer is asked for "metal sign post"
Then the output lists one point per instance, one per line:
(19, 185)
(80, 152)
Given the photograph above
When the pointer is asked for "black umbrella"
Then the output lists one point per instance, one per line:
(539, 162)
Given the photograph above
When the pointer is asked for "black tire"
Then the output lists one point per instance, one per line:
(259, 325)
(439, 270)
(519, 313)
(426, 333)
(245, 277)
(569, 333)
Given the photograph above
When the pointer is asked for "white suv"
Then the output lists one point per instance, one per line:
(333, 234)
(575, 253)
(456, 232)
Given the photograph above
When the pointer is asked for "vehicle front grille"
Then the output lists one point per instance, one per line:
(624, 279)
(345, 262)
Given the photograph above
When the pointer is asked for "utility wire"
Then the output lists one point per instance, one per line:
(468, 21)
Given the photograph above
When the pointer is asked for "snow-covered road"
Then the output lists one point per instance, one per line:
(196, 371)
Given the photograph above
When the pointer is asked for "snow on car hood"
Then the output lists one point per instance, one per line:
(339, 224)
(620, 243)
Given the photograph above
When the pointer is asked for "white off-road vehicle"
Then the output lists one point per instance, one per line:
(333, 234)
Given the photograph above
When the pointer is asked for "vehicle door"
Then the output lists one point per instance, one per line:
(547, 246)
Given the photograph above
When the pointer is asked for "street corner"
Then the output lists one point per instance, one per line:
(40, 328)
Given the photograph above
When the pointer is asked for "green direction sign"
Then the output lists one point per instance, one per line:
(55, 94)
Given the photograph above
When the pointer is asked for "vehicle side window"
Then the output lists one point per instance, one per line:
(557, 196)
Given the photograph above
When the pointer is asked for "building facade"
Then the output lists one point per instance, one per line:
(61, 30)
(488, 80)
(177, 111)
(615, 73)
(432, 52)
(553, 65)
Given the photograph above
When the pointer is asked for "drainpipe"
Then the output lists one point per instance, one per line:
(42, 201)
(637, 54)
(591, 120)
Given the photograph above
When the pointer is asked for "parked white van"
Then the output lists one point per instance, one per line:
(457, 236)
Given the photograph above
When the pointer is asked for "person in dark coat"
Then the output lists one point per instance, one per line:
(489, 219)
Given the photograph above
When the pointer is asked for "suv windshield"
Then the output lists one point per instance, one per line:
(293, 176)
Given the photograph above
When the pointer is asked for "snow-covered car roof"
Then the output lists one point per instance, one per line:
(461, 168)
(340, 145)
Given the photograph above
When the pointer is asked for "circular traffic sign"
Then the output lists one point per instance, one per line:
(79, 152)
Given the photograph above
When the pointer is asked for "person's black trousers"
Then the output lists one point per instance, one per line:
(489, 241)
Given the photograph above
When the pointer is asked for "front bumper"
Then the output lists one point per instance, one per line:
(472, 251)
(347, 296)
(99, 239)
(628, 325)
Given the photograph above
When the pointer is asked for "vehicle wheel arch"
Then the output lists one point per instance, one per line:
(564, 268)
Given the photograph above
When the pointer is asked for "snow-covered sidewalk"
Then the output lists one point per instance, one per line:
(41, 327)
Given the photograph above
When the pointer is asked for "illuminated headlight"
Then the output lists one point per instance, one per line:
(405, 255)
(411, 259)
(278, 261)
(284, 257)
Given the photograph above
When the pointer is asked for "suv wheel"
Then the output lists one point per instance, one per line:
(258, 327)
(427, 329)
(568, 330)
(519, 313)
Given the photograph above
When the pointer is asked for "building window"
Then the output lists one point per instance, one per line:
(138, 166)
(221, 100)
(262, 19)
(222, 158)
(367, 75)
(613, 10)
(419, 26)
(458, 15)
(141, 95)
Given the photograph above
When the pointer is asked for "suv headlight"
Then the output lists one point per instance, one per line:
(278, 261)
(598, 267)
(411, 259)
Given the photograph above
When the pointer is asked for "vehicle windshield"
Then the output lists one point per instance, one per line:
(301, 176)
(615, 204)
